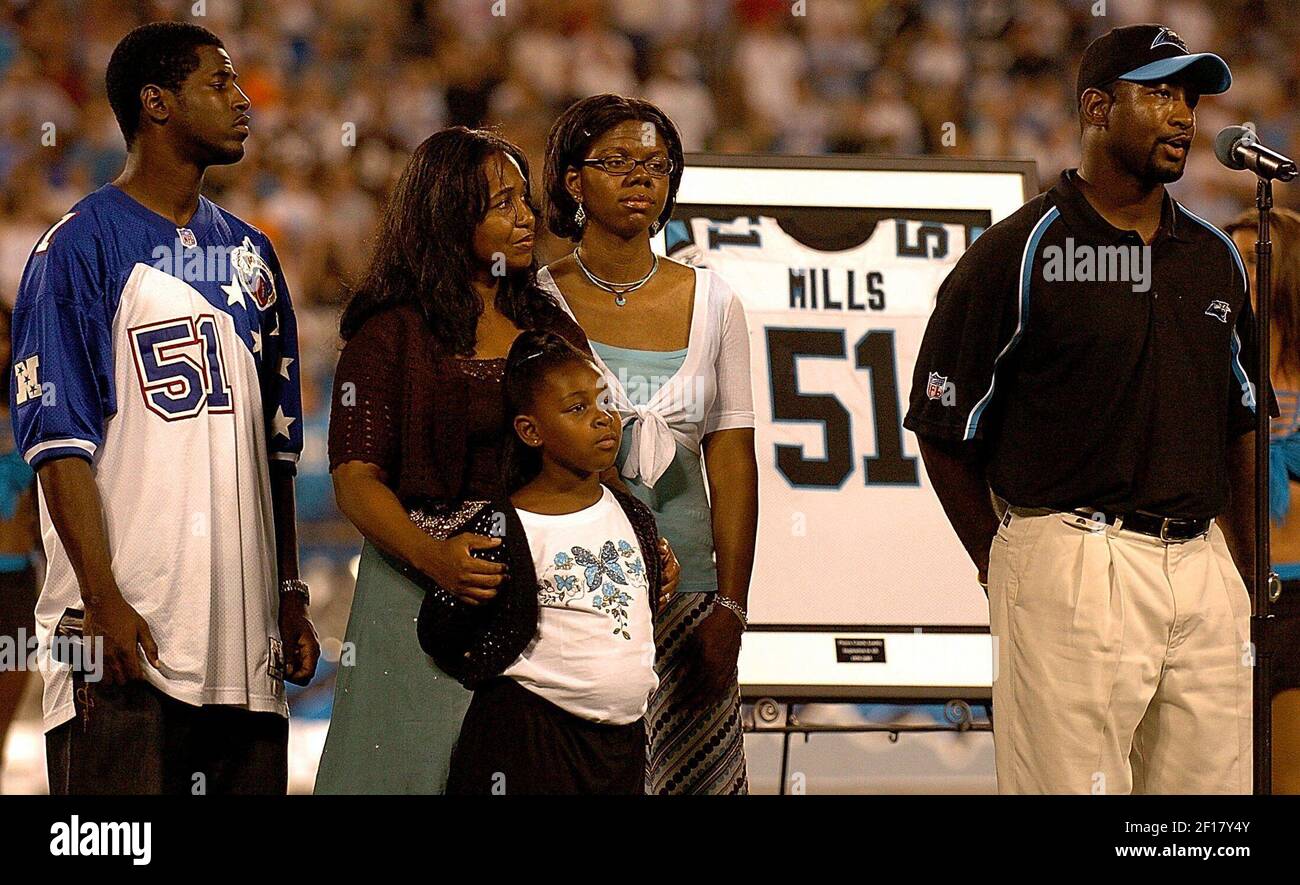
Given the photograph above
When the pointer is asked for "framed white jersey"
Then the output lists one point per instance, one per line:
(168, 359)
(837, 262)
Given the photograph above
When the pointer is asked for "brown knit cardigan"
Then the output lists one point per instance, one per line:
(398, 405)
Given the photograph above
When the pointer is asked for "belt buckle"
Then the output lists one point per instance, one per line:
(1164, 527)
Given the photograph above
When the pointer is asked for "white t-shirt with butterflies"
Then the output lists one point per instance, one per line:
(594, 651)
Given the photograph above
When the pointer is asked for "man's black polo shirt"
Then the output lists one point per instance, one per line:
(1087, 392)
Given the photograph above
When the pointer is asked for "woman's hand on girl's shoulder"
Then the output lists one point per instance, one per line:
(453, 566)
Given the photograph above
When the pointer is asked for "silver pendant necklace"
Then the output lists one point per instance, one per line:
(618, 290)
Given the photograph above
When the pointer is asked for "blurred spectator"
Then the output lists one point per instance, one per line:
(341, 89)
(676, 87)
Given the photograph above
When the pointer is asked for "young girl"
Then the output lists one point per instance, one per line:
(613, 166)
(567, 716)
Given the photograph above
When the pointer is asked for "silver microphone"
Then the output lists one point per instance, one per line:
(1238, 148)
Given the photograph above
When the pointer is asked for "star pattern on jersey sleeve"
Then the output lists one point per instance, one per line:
(282, 422)
(284, 367)
(257, 341)
(234, 293)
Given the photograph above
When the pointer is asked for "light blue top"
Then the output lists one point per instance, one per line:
(679, 500)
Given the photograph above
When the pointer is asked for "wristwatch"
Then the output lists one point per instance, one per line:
(295, 587)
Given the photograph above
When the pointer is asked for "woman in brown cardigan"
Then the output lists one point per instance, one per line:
(416, 424)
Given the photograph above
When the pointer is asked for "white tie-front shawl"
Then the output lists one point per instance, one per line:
(710, 392)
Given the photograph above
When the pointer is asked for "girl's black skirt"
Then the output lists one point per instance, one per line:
(514, 742)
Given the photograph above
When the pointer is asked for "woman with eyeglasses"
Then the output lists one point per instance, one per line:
(673, 344)
(416, 437)
(1284, 482)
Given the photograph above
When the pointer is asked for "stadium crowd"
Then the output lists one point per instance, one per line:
(342, 90)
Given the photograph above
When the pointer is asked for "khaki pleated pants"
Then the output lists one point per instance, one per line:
(1122, 664)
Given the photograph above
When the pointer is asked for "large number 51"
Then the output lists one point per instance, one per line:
(874, 352)
(180, 368)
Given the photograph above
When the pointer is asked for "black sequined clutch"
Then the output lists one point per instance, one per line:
(474, 643)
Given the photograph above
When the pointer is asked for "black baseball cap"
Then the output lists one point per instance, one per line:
(1150, 54)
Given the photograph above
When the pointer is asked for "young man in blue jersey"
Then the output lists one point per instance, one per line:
(156, 393)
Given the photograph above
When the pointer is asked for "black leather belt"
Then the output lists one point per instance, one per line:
(1166, 528)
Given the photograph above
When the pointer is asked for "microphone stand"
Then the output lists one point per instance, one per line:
(1268, 587)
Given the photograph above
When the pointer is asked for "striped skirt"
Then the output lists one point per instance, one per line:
(691, 751)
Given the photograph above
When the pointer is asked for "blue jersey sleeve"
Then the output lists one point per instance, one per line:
(281, 375)
(61, 388)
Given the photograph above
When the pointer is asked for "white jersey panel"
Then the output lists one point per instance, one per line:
(192, 540)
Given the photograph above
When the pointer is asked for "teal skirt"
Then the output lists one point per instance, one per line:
(396, 715)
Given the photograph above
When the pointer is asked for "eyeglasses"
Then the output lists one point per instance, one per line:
(657, 166)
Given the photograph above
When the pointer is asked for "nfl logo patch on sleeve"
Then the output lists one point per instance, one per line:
(936, 385)
(29, 385)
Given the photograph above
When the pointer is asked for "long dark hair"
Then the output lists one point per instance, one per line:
(1284, 307)
(424, 251)
(571, 138)
(532, 356)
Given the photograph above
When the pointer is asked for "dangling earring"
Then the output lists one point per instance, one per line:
(654, 228)
(580, 217)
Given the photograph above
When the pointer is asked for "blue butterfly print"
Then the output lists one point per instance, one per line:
(565, 583)
(596, 570)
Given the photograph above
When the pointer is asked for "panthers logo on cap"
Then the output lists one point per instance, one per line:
(1166, 37)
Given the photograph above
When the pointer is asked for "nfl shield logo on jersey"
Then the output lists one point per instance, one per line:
(937, 384)
(188, 240)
